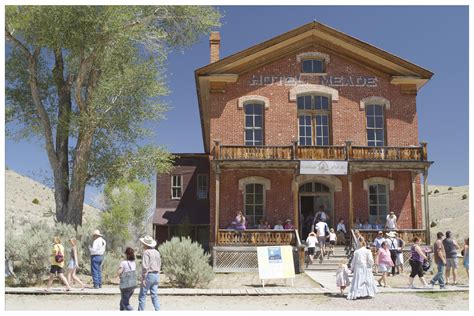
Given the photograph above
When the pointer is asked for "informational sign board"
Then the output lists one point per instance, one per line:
(323, 167)
(275, 262)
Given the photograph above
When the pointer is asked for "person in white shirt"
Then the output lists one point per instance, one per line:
(321, 229)
(332, 241)
(97, 257)
(278, 226)
(311, 241)
(391, 221)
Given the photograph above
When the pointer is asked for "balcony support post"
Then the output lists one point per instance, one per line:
(413, 200)
(424, 151)
(351, 203)
(217, 203)
(217, 149)
(427, 208)
(296, 219)
(348, 149)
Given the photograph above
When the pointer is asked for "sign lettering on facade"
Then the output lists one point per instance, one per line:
(323, 167)
(331, 81)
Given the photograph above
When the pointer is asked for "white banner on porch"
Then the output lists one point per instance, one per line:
(323, 167)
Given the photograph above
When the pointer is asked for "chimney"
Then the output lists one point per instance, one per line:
(214, 44)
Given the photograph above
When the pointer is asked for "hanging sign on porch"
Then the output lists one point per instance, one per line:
(323, 167)
(275, 262)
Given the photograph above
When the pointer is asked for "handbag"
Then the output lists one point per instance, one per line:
(128, 279)
(59, 257)
(426, 265)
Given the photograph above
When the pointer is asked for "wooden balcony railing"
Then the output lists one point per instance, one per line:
(405, 234)
(296, 152)
(254, 237)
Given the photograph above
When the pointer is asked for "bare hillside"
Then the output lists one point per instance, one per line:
(449, 211)
(21, 211)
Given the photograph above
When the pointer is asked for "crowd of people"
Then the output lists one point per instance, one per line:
(240, 223)
(150, 269)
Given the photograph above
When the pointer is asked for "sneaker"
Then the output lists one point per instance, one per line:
(412, 286)
(96, 286)
(428, 286)
(442, 287)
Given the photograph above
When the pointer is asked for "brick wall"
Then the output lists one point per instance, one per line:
(348, 120)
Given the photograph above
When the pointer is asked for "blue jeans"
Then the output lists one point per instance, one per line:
(96, 272)
(439, 277)
(125, 295)
(151, 283)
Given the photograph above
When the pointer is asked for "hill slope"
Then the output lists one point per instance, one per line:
(20, 211)
(449, 211)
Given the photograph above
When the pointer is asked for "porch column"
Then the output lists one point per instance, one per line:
(427, 209)
(414, 213)
(218, 178)
(296, 220)
(351, 204)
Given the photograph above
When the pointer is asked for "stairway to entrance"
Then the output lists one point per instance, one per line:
(330, 264)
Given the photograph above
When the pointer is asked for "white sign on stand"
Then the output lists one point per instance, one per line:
(275, 262)
(323, 167)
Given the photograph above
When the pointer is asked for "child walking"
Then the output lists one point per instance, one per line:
(332, 241)
(342, 276)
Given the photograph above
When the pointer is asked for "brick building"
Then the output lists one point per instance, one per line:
(311, 117)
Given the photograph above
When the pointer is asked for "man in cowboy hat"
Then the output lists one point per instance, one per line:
(151, 266)
(97, 257)
(392, 242)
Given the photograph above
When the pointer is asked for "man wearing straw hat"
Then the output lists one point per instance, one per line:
(97, 257)
(151, 266)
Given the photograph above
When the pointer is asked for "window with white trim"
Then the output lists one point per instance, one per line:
(378, 202)
(375, 125)
(202, 186)
(176, 187)
(312, 65)
(253, 124)
(254, 203)
(313, 120)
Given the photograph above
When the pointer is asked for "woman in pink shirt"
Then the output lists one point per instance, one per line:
(384, 262)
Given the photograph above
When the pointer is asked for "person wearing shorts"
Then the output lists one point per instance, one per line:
(321, 228)
(311, 241)
(450, 247)
(384, 263)
(57, 264)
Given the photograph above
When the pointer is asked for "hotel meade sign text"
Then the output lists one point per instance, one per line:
(331, 81)
(322, 167)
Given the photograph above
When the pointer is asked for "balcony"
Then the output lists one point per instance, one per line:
(254, 237)
(341, 153)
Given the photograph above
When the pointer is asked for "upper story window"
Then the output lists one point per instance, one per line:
(253, 124)
(375, 125)
(202, 186)
(176, 187)
(313, 120)
(312, 66)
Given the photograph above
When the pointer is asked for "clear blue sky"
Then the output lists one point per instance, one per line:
(434, 37)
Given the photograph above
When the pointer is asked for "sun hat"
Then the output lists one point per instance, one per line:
(97, 233)
(380, 232)
(312, 234)
(391, 234)
(288, 220)
(148, 241)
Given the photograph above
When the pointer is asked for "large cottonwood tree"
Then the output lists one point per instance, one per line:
(87, 80)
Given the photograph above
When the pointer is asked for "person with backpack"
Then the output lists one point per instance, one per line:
(57, 264)
(128, 279)
(322, 230)
(97, 257)
(392, 242)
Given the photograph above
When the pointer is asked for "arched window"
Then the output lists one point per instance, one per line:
(313, 120)
(253, 124)
(314, 187)
(375, 124)
(254, 203)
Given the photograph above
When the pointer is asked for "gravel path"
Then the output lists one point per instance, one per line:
(419, 301)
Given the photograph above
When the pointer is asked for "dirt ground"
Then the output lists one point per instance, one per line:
(389, 301)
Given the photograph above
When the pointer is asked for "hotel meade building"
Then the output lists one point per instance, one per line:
(310, 118)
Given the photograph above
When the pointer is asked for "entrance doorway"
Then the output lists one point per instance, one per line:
(312, 196)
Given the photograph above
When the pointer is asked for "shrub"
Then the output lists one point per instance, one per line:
(450, 188)
(429, 193)
(30, 251)
(436, 191)
(464, 196)
(35, 201)
(185, 263)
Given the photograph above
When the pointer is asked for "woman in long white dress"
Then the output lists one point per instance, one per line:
(363, 283)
